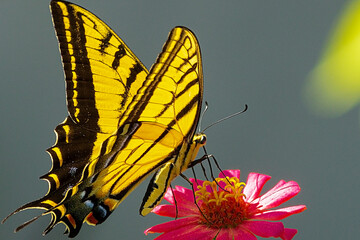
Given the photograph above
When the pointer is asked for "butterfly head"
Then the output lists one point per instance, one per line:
(199, 139)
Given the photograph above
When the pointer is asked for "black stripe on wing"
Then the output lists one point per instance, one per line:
(79, 81)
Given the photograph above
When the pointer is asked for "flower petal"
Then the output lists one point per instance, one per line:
(169, 226)
(288, 234)
(235, 234)
(196, 183)
(188, 234)
(165, 210)
(183, 197)
(168, 196)
(185, 228)
(170, 211)
(254, 185)
(200, 183)
(280, 193)
(264, 228)
(230, 173)
(279, 214)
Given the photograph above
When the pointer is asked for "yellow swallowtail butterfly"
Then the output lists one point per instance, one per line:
(124, 122)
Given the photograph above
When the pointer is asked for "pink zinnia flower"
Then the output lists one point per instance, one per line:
(240, 212)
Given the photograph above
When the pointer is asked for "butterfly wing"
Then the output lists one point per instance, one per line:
(157, 132)
(168, 106)
(179, 62)
(123, 123)
(102, 77)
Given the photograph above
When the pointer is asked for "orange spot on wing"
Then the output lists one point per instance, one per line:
(91, 220)
(71, 220)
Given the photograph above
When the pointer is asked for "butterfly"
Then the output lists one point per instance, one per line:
(124, 122)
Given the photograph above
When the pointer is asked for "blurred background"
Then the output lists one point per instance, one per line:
(295, 63)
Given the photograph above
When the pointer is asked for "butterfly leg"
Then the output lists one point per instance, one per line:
(193, 190)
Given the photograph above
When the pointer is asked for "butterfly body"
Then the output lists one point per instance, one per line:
(124, 122)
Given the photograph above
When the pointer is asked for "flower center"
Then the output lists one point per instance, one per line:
(222, 207)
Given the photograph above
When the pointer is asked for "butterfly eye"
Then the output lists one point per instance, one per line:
(200, 139)
(203, 139)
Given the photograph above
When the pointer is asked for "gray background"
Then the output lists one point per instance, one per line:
(254, 52)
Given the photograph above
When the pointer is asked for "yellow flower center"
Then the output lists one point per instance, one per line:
(222, 207)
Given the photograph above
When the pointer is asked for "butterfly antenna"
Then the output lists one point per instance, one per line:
(226, 118)
(202, 115)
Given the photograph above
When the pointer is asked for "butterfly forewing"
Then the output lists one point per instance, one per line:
(169, 100)
(172, 92)
(102, 74)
